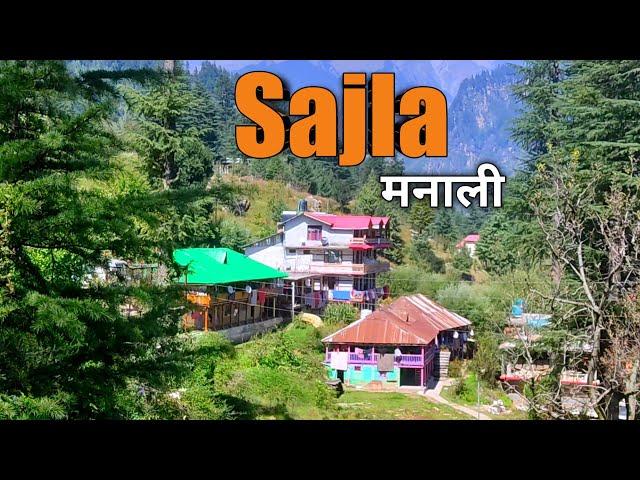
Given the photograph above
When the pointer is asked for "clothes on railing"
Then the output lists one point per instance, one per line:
(262, 296)
(386, 363)
(339, 360)
(357, 296)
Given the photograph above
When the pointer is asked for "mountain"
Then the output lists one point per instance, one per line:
(480, 119)
(447, 75)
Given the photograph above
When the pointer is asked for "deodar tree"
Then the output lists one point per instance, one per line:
(584, 195)
(67, 348)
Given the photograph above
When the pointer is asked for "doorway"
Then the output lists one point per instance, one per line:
(409, 377)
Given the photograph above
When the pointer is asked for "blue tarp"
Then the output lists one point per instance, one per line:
(342, 294)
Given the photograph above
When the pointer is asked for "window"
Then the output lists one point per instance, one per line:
(331, 283)
(333, 256)
(314, 232)
(306, 252)
(291, 251)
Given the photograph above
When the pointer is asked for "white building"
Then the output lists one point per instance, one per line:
(469, 242)
(331, 257)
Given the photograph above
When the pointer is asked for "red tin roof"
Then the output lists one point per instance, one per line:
(410, 320)
(347, 222)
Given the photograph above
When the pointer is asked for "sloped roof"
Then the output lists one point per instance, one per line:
(410, 320)
(216, 266)
(347, 222)
(472, 238)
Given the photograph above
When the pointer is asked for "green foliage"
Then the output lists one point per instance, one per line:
(486, 358)
(462, 260)
(166, 133)
(339, 313)
(421, 215)
(422, 254)
(494, 250)
(455, 368)
(66, 199)
(408, 279)
(233, 235)
(445, 228)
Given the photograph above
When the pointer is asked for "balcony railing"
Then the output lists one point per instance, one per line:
(370, 241)
(339, 268)
(368, 359)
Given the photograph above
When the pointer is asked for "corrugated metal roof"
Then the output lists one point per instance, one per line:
(215, 266)
(410, 320)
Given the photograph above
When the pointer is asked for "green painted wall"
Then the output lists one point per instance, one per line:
(366, 374)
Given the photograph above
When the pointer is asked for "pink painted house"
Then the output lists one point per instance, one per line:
(398, 345)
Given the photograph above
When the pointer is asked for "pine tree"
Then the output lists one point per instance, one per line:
(66, 349)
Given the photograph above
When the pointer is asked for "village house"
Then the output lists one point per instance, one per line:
(469, 242)
(328, 258)
(226, 289)
(401, 344)
(524, 330)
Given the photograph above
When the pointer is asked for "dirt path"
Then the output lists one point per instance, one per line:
(433, 393)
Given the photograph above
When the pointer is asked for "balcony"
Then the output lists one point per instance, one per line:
(412, 361)
(346, 269)
(368, 242)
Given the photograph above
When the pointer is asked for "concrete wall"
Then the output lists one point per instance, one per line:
(271, 255)
(244, 333)
(295, 233)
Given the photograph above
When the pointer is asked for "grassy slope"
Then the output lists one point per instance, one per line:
(263, 195)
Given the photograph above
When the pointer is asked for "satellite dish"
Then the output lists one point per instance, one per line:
(230, 290)
(248, 289)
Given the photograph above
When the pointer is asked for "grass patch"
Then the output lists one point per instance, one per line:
(392, 406)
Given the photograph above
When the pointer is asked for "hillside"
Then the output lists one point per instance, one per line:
(267, 199)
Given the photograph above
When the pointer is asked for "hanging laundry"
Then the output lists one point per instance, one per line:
(357, 296)
(339, 360)
(385, 363)
(254, 296)
(262, 296)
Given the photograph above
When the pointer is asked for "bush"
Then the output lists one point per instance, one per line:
(408, 279)
(336, 313)
(422, 254)
(462, 261)
(486, 359)
(456, 368)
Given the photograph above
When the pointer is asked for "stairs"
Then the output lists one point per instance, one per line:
(441, 364)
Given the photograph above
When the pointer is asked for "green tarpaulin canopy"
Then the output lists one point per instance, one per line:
(215, 266)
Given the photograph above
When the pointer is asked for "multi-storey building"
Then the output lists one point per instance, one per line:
(333, 257)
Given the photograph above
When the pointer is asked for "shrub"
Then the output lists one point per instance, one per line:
(456, 368)
(336, 313)
(462, 261)
(486, 359)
